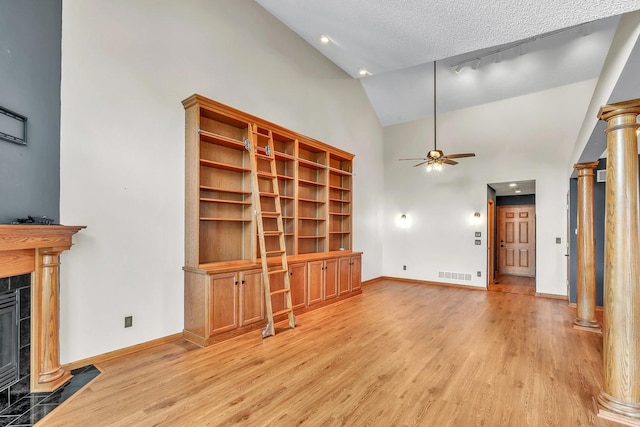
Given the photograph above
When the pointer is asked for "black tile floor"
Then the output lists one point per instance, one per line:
(33, 407)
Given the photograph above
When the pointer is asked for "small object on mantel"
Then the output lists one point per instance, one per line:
(39, 220)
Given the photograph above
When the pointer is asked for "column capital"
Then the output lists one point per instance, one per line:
(586, 166)
(627, 107)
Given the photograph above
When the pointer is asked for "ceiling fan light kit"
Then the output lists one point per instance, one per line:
(436, 158)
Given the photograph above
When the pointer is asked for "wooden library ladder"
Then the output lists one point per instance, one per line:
(267, 205)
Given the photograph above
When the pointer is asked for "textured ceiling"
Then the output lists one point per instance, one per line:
(384, 36)
(397, 41)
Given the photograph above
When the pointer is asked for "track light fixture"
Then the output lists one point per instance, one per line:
(459, 68)
(518, 48)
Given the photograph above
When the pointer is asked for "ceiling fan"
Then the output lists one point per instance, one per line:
(436, 158)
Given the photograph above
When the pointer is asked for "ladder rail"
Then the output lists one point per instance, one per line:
(265, 254)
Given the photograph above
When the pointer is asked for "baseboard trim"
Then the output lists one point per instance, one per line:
(552, 296)
(430, 283)
(574, 305)
(372, 281)
(94, 360)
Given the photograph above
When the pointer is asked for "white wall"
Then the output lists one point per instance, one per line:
(522, 138)
(126, 65)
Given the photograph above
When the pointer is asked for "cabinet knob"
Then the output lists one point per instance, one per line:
(243, 282)
(236, 283)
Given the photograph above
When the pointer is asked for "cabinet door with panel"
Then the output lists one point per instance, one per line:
(251, 297)
(344, 275)
(297, 281)
(330, 278)
(223, 313)
(315, 282)
(356, 272)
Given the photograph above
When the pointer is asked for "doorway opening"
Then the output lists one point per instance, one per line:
(511, 237)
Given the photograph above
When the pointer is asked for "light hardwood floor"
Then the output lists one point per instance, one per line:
(514, 284)
(400, 354)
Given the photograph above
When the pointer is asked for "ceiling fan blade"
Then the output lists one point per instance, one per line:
(449, 162)
(420, 158)
(459, 156)
(420, 164)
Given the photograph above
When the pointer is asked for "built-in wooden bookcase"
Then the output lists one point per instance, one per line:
(285, 152)
(340, 199)
(314, 189)
(220, 205)
(312, 199)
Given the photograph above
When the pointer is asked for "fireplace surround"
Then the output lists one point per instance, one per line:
(35, 250)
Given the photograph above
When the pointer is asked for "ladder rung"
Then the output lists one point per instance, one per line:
(278, 252)
(271, 214)
(277, 271)
(263, 156)
(285, 311)
(265, 194)
(272, 233)
(262, 174)
(279, 291)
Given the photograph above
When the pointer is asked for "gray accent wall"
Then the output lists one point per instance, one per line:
(30, 55)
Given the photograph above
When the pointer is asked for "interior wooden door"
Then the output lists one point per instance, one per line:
(516, 237)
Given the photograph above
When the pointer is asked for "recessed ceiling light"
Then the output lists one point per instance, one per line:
(363, 72)
(325, 39)
(513, 184)
(518, 191)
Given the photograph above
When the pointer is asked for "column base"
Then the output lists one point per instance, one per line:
(619, 411)
(51, 382)
(587, 325)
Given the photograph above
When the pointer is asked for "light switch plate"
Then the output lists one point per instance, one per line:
(558, 240)
(478, 234)
(478, 242)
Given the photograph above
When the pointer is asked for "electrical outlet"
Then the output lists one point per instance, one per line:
(478, 242)
(558, 240)
(128, 321)
(479, 273)
(404, 267)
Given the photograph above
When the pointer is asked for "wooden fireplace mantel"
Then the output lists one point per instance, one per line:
(35, 249)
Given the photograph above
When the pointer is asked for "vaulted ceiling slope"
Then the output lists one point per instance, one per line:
(395, 42)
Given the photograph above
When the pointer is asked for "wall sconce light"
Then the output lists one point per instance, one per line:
(403, 221)
(475, 220)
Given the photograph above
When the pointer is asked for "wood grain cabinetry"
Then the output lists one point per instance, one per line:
(224, 291)
(233, 300)
(356, 272)
(322, 282)
(330, 278)
(349, 274)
